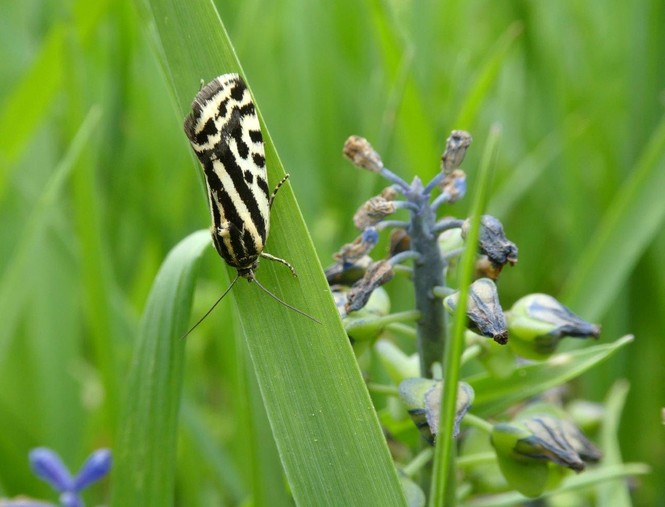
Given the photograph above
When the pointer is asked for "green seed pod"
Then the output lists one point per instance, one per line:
(538, 322)
(422, 398)
(483, 310)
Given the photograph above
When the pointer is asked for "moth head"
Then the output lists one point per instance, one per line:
(248, 272)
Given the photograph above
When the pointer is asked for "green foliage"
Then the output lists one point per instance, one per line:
(97, 185)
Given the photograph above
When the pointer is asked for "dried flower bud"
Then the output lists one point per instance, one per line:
(372, 212)
(347, 273)
(456, 146)
(377, 274)
(400, 241)
(483, 310)
(493, 243)
(423, 400)
(453, 185)
(389, 194)
(538, 323)
(360, 247)
(358, 150)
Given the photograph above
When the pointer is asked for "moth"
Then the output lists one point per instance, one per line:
(224, 131)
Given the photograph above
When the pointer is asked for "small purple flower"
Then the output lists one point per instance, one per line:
(48, 466)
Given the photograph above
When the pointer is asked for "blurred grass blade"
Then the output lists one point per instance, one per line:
(145, 449)
(629, 226)
(523, 177)
(571, 483)
(29, 102)
(17, 278)
(215, 458)
(494, 395)
(325, 428)
(477, 95)
(615, 493)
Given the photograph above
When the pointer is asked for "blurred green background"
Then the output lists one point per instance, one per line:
(97, 183)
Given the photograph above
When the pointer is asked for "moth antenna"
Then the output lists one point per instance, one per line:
(211, 308)
(284, 302)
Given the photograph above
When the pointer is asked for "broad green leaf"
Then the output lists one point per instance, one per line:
(145, 449)
(496, 394)
(322, 418)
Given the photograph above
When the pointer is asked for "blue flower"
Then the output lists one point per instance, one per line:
(48, 466)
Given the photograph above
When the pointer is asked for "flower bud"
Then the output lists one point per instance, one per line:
(47, 465)
(538, 322)
(378, 273)
(493, 243)
(540, 434)
(360, 247)
(372, 212)
(483, 311)
(453, 185)
(366, 324)
(456, 146)
(548, 441)
(389, 193)
(422, 398)
(400, 241)
(525, 474)
(361, 154)
(450, 241)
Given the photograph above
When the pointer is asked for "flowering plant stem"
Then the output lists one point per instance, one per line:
(428, 272)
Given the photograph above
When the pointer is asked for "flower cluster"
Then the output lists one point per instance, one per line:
(425, 248)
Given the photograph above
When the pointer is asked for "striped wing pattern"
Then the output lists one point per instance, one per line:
(225, 133)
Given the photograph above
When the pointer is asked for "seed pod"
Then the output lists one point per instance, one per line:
(483, 310)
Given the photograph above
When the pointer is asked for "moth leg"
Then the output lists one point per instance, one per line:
(274, 192)
(277, 259)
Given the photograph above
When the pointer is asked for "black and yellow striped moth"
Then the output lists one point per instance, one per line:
(224, 131)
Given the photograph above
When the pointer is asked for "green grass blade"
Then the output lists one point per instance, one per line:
(326, 430)
(572, 483)
(476, 96)
(629, 226)
(199, 438)
(17, 279)
(145, 450)
(615, 493)
(494, 395)
(443, 480)
(29, 102)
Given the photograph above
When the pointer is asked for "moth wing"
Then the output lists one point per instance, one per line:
(225, 133)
